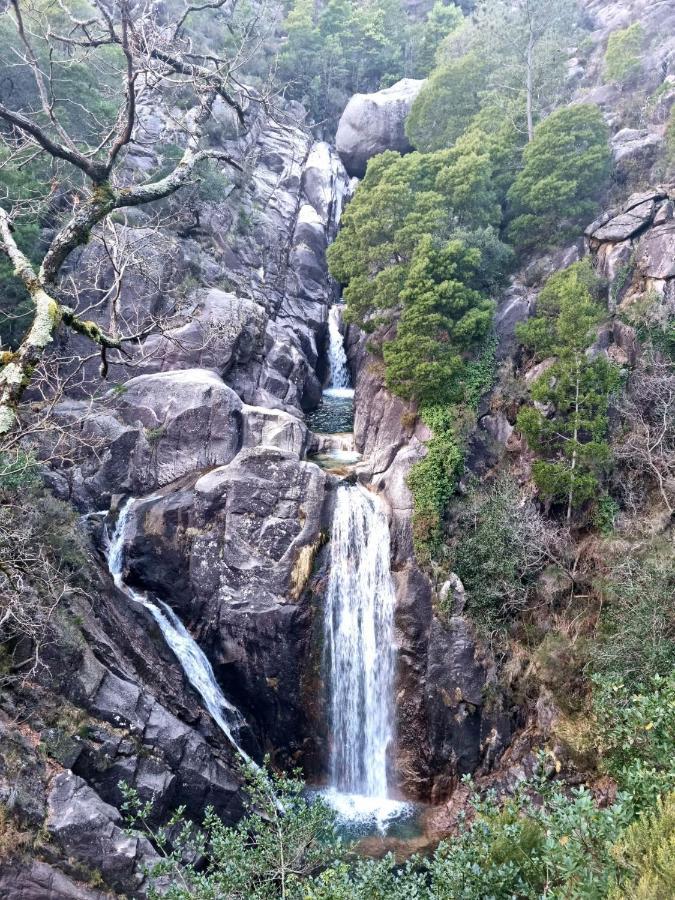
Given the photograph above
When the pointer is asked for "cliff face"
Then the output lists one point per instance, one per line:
(210, 429)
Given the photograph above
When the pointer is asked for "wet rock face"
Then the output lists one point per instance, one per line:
(232, 553)
(445, 727)
(373, 123)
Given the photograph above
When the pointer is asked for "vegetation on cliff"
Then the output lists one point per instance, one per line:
(545, 840)
(344, 47)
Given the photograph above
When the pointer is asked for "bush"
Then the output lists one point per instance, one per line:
(433, 479)
(645, 855)
(504, 545)
(566, 169)
(447, 103)
(635, 731)
(43, 558)
(623, 58)
(571, 439)
(636, 636)
(443, 319)
(544, 842)
(283, 840)
(670, 138)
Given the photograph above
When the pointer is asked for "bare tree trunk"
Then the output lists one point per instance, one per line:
(530, 82)
(575, 439)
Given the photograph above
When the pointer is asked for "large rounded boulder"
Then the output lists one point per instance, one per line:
(373, 123)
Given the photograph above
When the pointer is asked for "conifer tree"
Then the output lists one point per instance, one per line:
(566, 168)
(568, 426)
(443, 318)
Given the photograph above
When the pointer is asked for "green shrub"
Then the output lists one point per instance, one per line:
(282, 840)
(343, 47)
(433, 480)
(636, 635)
(605, 515)
(503, 546)
(443, 319)
(544, 841)
(447, 103)
(558, 847)
(670, 138)
(623, 58)
(635, 732)
(19, 471)
(645, 855)
(571, 442)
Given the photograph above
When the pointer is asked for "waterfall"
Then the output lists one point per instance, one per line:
(196, 666)
(359, 646)
(337, 357)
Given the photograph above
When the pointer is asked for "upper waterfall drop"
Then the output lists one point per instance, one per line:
(360, 654)
(193, 660)
(340, 377)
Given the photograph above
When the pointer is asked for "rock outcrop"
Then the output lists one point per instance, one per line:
(92, 833)
(635, 246)
(231, 552)
(373, 123)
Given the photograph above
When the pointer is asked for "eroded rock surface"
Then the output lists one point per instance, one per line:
(231, 552)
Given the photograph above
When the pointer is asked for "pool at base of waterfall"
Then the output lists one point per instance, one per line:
(358, 816)
(335, 412)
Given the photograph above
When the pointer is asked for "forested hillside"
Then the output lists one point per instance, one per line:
(337, 449)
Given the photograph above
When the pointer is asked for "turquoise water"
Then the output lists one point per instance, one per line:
(335, 413)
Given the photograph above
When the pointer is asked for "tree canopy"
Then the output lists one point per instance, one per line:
(566, 168)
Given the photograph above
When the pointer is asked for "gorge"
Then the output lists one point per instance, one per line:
(337, 449)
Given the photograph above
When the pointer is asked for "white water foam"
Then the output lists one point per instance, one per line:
(340, 378)
(193, 660)
(360, 659)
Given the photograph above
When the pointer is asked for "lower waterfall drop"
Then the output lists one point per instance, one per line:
(193, 660)
(360, 658)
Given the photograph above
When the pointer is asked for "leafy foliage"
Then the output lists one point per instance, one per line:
(623, 59)
(442, 318)
(544, 841)
(282, 840)
(347, 47)
(504, 544)
(433, 479)
(448, 102)
(646, 856)
(636, 735)
(636, 638)
(557, 847)
(566, 168)
(490, 66)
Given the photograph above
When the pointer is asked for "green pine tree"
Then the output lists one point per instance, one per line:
(443, 319)
(568, 429)
(567, 167)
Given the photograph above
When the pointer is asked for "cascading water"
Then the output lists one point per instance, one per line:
(360, 657)
(337, 357)
(196, 666)
(335, 413)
